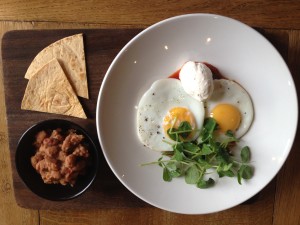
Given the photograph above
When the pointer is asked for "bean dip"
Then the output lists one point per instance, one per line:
(60, 156)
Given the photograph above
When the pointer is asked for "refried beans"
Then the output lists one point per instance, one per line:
(60, 156)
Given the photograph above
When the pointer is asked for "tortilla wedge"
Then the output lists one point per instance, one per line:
(49, 91)
(69, 51)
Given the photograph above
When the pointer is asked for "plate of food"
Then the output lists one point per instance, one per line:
(190, 114)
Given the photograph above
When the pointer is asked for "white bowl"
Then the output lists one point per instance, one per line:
(240, 53)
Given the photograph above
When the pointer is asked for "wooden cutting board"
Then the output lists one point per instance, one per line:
(18, 50)
(101, 46)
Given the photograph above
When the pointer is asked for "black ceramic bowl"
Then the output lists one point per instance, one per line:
(33, 180)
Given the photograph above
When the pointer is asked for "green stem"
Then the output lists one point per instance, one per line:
(193, 153)
(157, 162)
(180, 132)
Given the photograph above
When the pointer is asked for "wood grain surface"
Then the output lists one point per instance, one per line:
(287, 208)
(257, 13)
(277, 204)
(19, 48)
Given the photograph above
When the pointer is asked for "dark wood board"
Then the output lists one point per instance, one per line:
(101, 46)
(18, 50)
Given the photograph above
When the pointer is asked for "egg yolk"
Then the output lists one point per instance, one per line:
(175, 117)
(227, 116)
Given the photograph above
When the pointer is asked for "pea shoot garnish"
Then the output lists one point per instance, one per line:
(196, 160)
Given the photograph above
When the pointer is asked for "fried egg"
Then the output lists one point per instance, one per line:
(165, 105)
(231, 106)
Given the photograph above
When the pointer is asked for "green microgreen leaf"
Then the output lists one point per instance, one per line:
(210, 125)
(171, 166)
(239, 176)
(247, 172)
(245, 154)
(175, 173)
(205, 183)
(228, 173)
(166, 175)
(178, 146)
(229, 133)
(159, 162)
(204, 164)
(223, 167)
(191, 147)
(223, 156)
(178, 155)
(192, 175)
(226, 167)
(185, 129)
(172, 134)
(208, 129)
(206, 149)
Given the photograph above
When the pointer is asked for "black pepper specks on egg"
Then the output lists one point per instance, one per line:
(146, 119)
(158, 132)
(153, 93)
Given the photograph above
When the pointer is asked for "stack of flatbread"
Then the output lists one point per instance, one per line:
(56, 76)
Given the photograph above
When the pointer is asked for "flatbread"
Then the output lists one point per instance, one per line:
(49, 91)
(69, 52)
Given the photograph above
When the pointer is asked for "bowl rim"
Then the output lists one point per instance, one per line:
(120, 53)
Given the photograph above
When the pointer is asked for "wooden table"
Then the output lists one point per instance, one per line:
(277, 203)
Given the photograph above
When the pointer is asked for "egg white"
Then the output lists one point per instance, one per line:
(154, 105)
(230, 92)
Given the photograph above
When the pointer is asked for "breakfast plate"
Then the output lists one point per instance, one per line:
(241, 54)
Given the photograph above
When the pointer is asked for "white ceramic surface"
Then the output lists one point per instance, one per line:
(240, 53)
